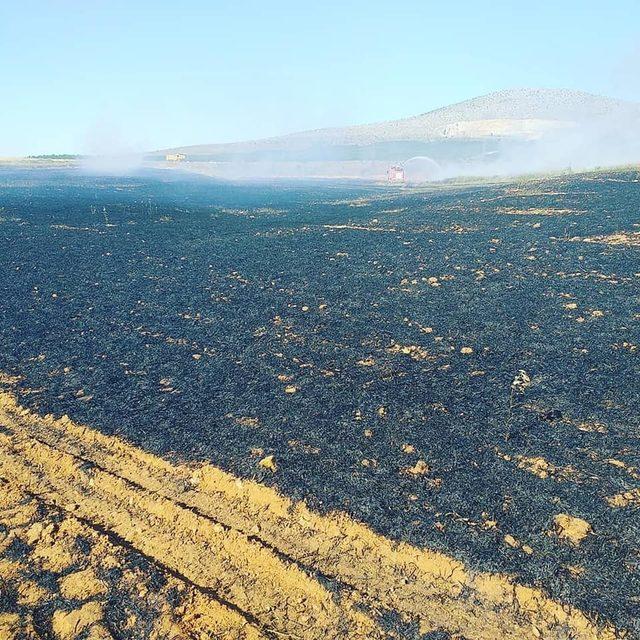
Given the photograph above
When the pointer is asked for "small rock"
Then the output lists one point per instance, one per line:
(34, 533)
(10, 624)
(268, 462)
(82, 585)
(511, 541)
(420, 468)
(70, 624)
(100, 632)
(572, 529)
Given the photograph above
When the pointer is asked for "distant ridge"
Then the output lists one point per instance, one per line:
(502, 133)
(520, 113)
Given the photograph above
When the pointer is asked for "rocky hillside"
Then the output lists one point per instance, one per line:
(515, 113)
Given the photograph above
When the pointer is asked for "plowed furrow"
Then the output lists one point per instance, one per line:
(279, 596)
(427, 586)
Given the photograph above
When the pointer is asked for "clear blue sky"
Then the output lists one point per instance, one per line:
(78, 74)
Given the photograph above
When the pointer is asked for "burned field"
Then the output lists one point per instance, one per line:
(456, 368)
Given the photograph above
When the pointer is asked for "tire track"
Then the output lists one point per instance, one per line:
(235, 537)
(50, 533)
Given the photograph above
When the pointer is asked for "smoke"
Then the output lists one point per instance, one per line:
(109, 152)
(608, 141)
(533, 136)
(422, 169)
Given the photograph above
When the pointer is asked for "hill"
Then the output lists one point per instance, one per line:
(490, 127)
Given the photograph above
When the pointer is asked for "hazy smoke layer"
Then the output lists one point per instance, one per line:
(609, 141)
(510, 132)
(109, 152)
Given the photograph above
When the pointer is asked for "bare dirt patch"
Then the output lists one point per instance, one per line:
(238, 542)
(624, 238)
(538, 212)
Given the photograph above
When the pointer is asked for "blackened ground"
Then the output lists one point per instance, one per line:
(182, 315)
